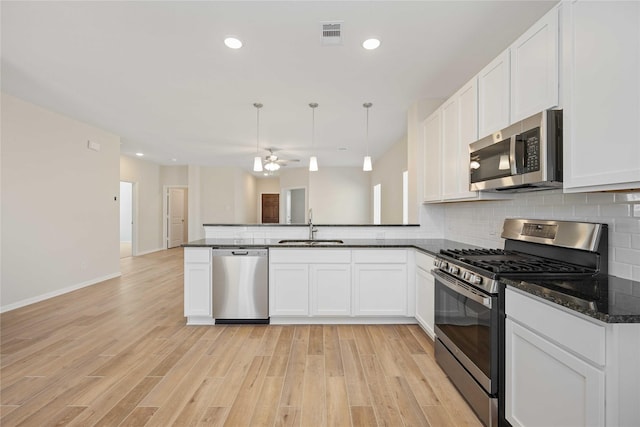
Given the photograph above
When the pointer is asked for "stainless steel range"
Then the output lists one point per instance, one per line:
(469, 298)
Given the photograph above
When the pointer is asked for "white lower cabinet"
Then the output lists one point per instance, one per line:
(554, 366)
(547, 385)
(288, 290)
(425, 293)
(380, 282)
(339, 283)
(330, 289)
(197, 285)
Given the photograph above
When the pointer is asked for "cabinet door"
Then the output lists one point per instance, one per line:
(468, 133)
(493, 96)
(450, 149)
(601, 68)
(534, 68)
(432, 135)
(546, 385)
(330, 289)
(425, 299)
(197, 289)
(288, 289)
(380, 289)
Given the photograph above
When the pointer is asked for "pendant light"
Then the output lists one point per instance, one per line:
(257, 161)
(313, 160)
(366, 166)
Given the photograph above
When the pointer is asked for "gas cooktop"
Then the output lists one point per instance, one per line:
(503, 262)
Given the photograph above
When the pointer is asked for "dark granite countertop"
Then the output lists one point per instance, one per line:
(307, 225)
(611, 299)
(429, 246)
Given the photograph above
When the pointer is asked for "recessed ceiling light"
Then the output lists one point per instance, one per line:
(174, 160)
(139, 154)
(371, 44)
(233, 42)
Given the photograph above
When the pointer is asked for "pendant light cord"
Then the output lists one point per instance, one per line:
(258, 107)
(367, 105)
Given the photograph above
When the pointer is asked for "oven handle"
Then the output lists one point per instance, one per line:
(462, 289)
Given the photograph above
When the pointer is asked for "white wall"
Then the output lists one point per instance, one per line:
(340, 195)
(174, 175)
(60, 216)
(226, 196)
(480, 223)
(387, 171)
(126, 211)
(147, 202)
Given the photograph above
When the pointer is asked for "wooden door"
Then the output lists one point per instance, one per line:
(270, 208)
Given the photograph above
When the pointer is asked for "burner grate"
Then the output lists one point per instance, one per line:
(499, 261)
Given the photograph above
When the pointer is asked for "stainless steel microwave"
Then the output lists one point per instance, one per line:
(525, 156)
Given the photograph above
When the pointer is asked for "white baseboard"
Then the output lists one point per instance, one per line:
(56, 293)
(149, 252)
(346, 320)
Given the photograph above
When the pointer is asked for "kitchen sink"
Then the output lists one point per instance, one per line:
(311, 242)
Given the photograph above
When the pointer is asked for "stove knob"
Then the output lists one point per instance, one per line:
(476, 280)
(454, 270)
(436, 263)
(466, 275)
(444, 265)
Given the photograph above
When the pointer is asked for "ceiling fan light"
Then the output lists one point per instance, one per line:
(313, 164)
(257, 164)
(366, 166)
(272, 167)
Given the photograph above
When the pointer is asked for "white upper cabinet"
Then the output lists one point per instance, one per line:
(459, 129)
(601, 95)
(450, 149)
(432, 134)
(493, 96)
(534, 68)
(467, 133)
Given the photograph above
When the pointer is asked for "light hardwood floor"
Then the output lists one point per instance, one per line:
(119, 353)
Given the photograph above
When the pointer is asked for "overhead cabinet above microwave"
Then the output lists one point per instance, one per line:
(484, 105)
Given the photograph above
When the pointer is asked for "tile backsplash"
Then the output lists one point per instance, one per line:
(480, 223)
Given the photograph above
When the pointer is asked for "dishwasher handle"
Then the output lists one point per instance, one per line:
(231, 252)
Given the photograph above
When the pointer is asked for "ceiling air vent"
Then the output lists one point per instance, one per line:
(331, 33)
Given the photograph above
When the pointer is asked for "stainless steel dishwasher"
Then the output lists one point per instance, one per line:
(240, 285)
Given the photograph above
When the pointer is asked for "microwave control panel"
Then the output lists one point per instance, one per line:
(531, 140)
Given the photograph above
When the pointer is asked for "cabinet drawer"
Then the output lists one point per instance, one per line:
(424, 261)
(581, 336)
(307, 256)
(386, 256)
(197, 255)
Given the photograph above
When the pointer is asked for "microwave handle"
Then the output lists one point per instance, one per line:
(512, 155)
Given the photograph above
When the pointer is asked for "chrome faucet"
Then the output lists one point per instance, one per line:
(312, 228)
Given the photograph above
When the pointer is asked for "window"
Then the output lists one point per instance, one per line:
(405, 197)
(377, 205)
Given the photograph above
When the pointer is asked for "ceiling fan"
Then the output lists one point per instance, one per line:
(272, 162)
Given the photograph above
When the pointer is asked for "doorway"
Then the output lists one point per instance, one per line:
(176, 216)
(295, 206)
(270, 208)
(126, 219)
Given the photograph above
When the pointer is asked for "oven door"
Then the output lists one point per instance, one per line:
(466, 322)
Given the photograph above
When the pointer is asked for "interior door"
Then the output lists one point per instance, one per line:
(176, 217)
(270, 208)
